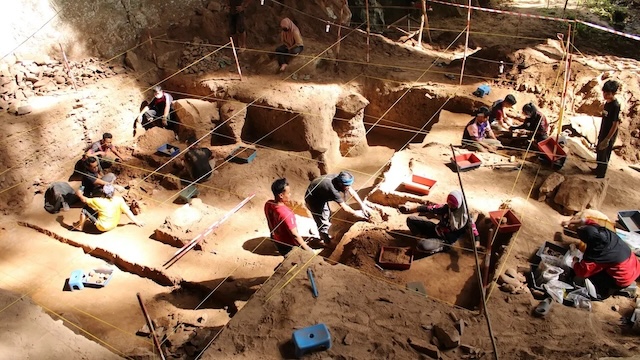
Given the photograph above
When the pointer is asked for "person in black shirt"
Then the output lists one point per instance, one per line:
(196, 162)
(535, 122)
(332, 187)
(237, 27)
(608, 127)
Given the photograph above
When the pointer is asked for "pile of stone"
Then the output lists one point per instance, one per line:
(27, 78)
(445, 336)
(196, 50)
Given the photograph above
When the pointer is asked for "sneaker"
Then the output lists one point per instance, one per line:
(65, 206)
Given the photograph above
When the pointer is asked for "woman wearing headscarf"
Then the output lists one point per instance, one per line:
(608, 263)
(452, 225)
(291, 42)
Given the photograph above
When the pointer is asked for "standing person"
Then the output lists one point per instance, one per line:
(291, 43)
(476, 132)
(535, 122)
(159, 108)
(332, 187)
(282, 220)
(498, 117)
(104, 212)
(608, 263)
(608, 128)
(101, 150)
(452, 225)
(236, 22)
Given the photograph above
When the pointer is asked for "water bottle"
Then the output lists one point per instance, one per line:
(582, 303)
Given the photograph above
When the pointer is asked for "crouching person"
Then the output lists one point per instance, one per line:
(453, 223)
(104, 212)
(608, 264)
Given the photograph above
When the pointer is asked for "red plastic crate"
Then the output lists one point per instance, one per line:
(407, 251)
(551, 150)
(419, 184)
(467, 161)
(513, 223)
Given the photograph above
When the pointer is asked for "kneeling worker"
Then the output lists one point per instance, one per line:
(104, 212)
(282, 220)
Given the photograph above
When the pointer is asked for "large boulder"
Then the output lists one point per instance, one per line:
(579, 192)
(550, 185)
(587, 126)
(196, 117)
(578, 147)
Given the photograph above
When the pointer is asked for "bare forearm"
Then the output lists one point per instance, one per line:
(613, 130)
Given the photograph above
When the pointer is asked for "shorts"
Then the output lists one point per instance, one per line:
(236, 23)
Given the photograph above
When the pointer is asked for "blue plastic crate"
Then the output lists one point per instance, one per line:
(242, 154)
(311, 338)
(169, 150)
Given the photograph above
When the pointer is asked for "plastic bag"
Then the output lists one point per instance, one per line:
(567, 260)
(557, 289)
(547, 273)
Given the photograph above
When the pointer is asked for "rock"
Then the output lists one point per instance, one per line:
(578, 148)
(352, 103)
(348, 339)
(200, 338)
(549, 185)
(141, 354)
(448, 336)
(41, 83)
(59, 79)
(579, 192)
(196, 118)
(424, 348)
(233, 114)
(349, 124)
(25, 109)
(13, 107)
(3, 104)
(214, 6)
(132, 61)
(587, 126)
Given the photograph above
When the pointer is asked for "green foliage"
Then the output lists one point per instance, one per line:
(608, 10)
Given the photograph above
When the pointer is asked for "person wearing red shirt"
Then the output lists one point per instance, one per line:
(282, 220)
(608, 263)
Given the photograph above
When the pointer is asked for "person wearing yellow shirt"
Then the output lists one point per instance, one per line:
(104, 212)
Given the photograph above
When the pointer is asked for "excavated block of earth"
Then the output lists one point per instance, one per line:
(580, 192)
(186, 222)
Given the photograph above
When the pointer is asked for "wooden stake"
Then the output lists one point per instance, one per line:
(426, 19)
(340, 23)
(366, 2)
(421, 29)
(66, 64)
(236, 56)
(153, 52)
(151, 328)
(466, 42)
(483, 295)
